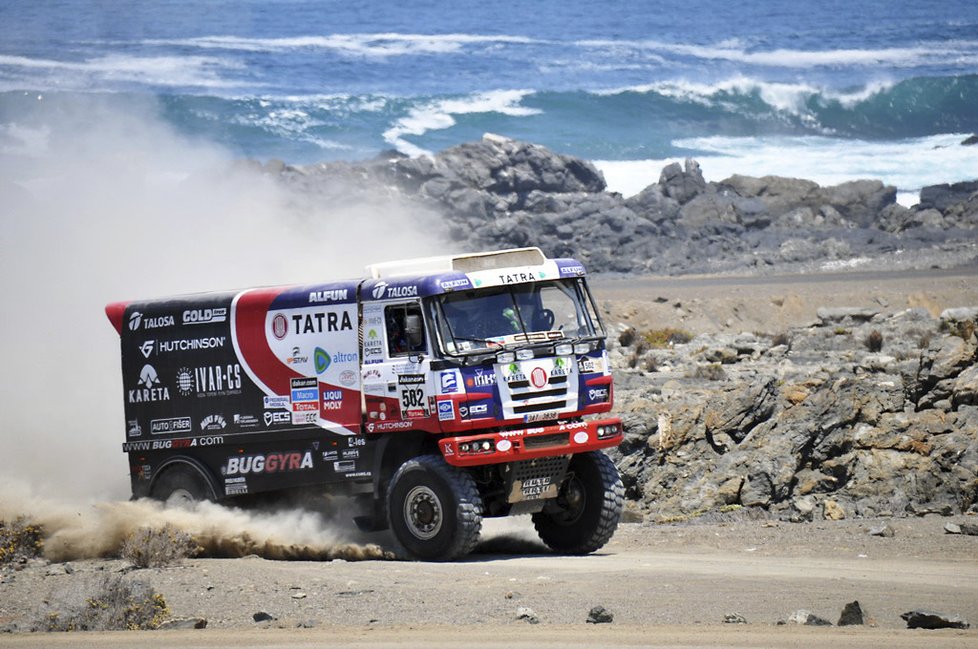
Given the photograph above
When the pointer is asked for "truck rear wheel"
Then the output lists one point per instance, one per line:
(586, 512)
(181, 486)
(434, 509)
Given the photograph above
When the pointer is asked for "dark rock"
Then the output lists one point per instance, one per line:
(600, 615)
(922, 619)
(970, 141)
(184, 623)
(852, 614)
(262, 616)
(682, 185)
(969, 529)
(734, 618)
(942, 197)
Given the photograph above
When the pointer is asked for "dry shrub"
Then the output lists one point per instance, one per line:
(662, 338)
(20, 540)
(154, 548)
(874, 341)
(117, 605)
(708, 371)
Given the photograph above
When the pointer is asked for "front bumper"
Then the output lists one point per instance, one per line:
(531, 442)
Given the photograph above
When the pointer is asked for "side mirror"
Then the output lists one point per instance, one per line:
(413, 330)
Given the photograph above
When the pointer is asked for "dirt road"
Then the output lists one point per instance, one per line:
(667, 585)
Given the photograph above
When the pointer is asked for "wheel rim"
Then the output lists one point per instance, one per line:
(572, 503)
(181, 497)
(423, 512)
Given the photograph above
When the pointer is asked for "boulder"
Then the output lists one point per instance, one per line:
(923, 619)
(682, 185)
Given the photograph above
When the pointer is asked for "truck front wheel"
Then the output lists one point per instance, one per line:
(434, 509)
(181, 486)
(586, 512)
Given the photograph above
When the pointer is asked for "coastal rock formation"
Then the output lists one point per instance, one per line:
(860, 414)
(498, 193)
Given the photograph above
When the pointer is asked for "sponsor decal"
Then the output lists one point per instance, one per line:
(133, 429)
(573, 426)
(372, 375)
(410, 379)
(205, 316)
(170, 444)
(305, 400)
(588, 365)
(449, 382)
(344, 466)
(235, 486)
(280, 326)
(137, 320)
(382, 426)
(534, 487)
(276, 418)
(297, 358)
(538, 377)
(332, 399)
(246, 421)
(147, 348)
(329, 295)
(385, 290)
(598, 394)
(209, 380)
(503, 445)
(348, 378)
(320, 322)
(478, 410)
(191, 344)
(515, 278)
(482, 380)
(170, 425)
(329, 456)
(463, 412)
(213, 422)
(560, 368)
(580, 437)
(515, 374)
(148, 387)
(350, 453)
(448, 449)
(572, 270)
(276, 401)
(321, 360)
(448, 285)
(446, 411)
(267, 463)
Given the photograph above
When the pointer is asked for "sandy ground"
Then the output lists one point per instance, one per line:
(667, 585)
(771, 304)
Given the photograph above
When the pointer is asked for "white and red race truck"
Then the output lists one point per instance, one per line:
(439, 390)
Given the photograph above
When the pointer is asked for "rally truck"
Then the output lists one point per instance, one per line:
(434, 391)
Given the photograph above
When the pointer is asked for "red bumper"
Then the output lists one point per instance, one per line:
(531, 442)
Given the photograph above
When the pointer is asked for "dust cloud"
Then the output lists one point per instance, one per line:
(101, 200)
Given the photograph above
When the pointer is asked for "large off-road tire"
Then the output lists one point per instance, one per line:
(434, 509)
(586, 512)
(181, 486)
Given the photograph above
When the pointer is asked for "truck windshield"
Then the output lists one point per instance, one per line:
(516, 315)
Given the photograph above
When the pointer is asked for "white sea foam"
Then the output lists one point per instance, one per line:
(789, 98)
(172, 71)
(921, 54)
(438, 115)
(379, 44)
(907, 164)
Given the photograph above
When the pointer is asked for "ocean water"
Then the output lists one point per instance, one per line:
(830, 91)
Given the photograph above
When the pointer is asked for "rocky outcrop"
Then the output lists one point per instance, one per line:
(498, 193)
(858, 415)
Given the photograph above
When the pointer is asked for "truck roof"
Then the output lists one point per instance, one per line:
(403, 279)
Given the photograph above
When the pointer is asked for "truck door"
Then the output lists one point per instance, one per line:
(398, 393)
